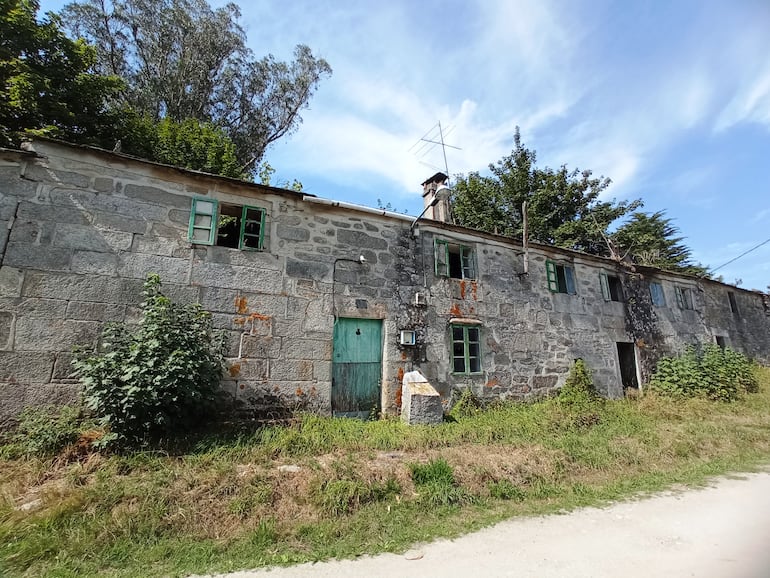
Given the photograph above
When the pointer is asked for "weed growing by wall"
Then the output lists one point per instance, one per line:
(710, 372)
(44, 431)
(579, 385)
(155, 380)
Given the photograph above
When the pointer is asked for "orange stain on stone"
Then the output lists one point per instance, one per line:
(241, 305)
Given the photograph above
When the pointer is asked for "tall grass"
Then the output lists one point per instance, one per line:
(361, 487)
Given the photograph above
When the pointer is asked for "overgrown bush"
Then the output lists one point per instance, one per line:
(579, 385)
(709, 371)
(156, 379)
(44, 430)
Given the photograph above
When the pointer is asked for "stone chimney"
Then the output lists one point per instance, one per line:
(436, 205)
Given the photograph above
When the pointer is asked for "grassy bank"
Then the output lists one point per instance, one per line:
(355, 487)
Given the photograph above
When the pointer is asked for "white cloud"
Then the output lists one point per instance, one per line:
(751, 103)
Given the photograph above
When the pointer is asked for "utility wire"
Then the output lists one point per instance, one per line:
(765, 242)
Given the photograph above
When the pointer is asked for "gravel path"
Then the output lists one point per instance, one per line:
(722, 531)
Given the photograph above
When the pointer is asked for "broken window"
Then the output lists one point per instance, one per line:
(657, 295)
(466, 349)
(684, 297)
(733, 303)
(612, 288)
(234, 226)
(454, 260)
(561, 278)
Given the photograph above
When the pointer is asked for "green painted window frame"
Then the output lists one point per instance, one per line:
(552, 278)
(470, 336)
(657, 296)
(243, 234)
(441, 260)
(212, 228)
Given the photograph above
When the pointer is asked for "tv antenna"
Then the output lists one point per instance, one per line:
(430, 140)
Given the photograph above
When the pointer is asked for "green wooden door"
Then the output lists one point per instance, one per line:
(356, 367)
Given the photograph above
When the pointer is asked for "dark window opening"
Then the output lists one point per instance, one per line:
(733, 303)
(454, 261)
(612, 288)
(721, 341)
(240, 227)
(561, 278)
(234, 226)
(229, 226)
(684, 297)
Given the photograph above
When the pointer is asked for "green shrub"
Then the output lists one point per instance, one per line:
(579, 385)
(506, 490)
(342, 496)
(45, 430)
(435, 471)
(467, 406)
(436, 485)
(157, 379)
(711, 372)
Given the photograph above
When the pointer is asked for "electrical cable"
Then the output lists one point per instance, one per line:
(742, 255)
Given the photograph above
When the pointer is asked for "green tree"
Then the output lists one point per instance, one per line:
(653, 240)
(180, 59)
(48, 83)
(563, 205)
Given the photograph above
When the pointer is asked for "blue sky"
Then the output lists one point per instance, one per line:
(671, 100)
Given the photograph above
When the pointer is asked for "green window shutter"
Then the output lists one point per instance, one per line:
(203, 221)
(679, 297)
(252, 233)
(441, 251)
(604, 282)
(550, 274)
(569, 278)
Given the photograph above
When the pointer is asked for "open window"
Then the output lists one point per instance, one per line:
(561, 278)
(454, 260)
(612, 288)
(225, 225)
(684, 297)
(657, 295)
(466, 349)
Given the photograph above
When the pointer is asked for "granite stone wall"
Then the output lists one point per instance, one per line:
(85, 227)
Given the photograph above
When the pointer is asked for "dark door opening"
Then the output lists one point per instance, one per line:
(627, 360)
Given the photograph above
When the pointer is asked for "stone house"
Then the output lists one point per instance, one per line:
(325, 304)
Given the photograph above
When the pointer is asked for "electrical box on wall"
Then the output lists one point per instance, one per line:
(420, 299)
(408, 337)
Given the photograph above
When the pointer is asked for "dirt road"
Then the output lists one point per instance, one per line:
(722, 531)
